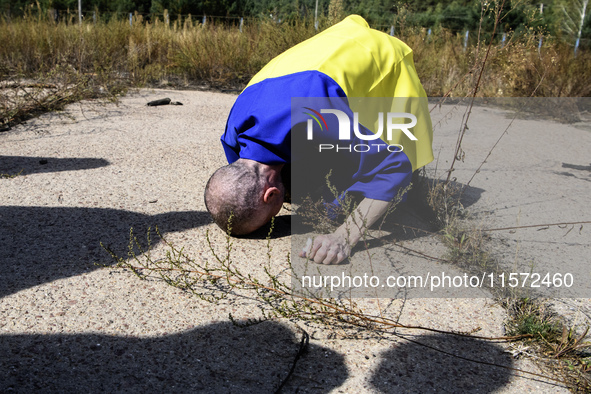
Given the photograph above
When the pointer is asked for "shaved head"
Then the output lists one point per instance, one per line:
(233, 196)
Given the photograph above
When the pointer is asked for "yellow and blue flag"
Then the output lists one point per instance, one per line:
(347, 61)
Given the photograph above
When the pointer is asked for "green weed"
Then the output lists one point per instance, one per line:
(559, 349)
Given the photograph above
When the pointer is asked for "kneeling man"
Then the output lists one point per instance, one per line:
(335, 68)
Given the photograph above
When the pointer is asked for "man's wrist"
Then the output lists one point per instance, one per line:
(350, 234)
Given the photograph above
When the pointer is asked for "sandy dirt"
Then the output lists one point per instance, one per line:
(68, 324)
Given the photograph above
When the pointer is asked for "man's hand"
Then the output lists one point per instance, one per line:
(334, 248)
(327, 249)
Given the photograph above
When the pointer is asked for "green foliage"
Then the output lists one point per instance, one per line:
(552, 340)
(557, 17)
(457, 17)
(531, 317)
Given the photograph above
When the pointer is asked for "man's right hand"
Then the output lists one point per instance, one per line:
(336, 247)
(327, 249)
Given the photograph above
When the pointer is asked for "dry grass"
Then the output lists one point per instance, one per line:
(220, 56)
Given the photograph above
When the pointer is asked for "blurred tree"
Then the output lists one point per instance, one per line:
(573, 20)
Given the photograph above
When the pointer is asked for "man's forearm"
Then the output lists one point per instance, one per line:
(361, 219)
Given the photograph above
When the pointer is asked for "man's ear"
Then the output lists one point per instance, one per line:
(271, 194)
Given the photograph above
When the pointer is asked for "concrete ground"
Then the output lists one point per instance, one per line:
(69, 324)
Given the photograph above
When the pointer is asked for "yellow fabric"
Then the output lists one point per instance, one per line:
(365, 63)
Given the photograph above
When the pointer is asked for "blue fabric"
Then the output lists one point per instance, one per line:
(264, 115)
(259, 124)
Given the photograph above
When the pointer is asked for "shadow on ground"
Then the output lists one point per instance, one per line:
(415, 212)
(32, 165)
(416, 368)
(279, 227)
(42, 244)
(223, 358)
(217, 358)
(411, 219)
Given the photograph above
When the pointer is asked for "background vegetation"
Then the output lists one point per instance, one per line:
(451, 14)
(182, 51)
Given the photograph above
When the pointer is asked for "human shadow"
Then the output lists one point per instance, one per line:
(415, 367)
(33, 165)
(216, 358)
(42, 244)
